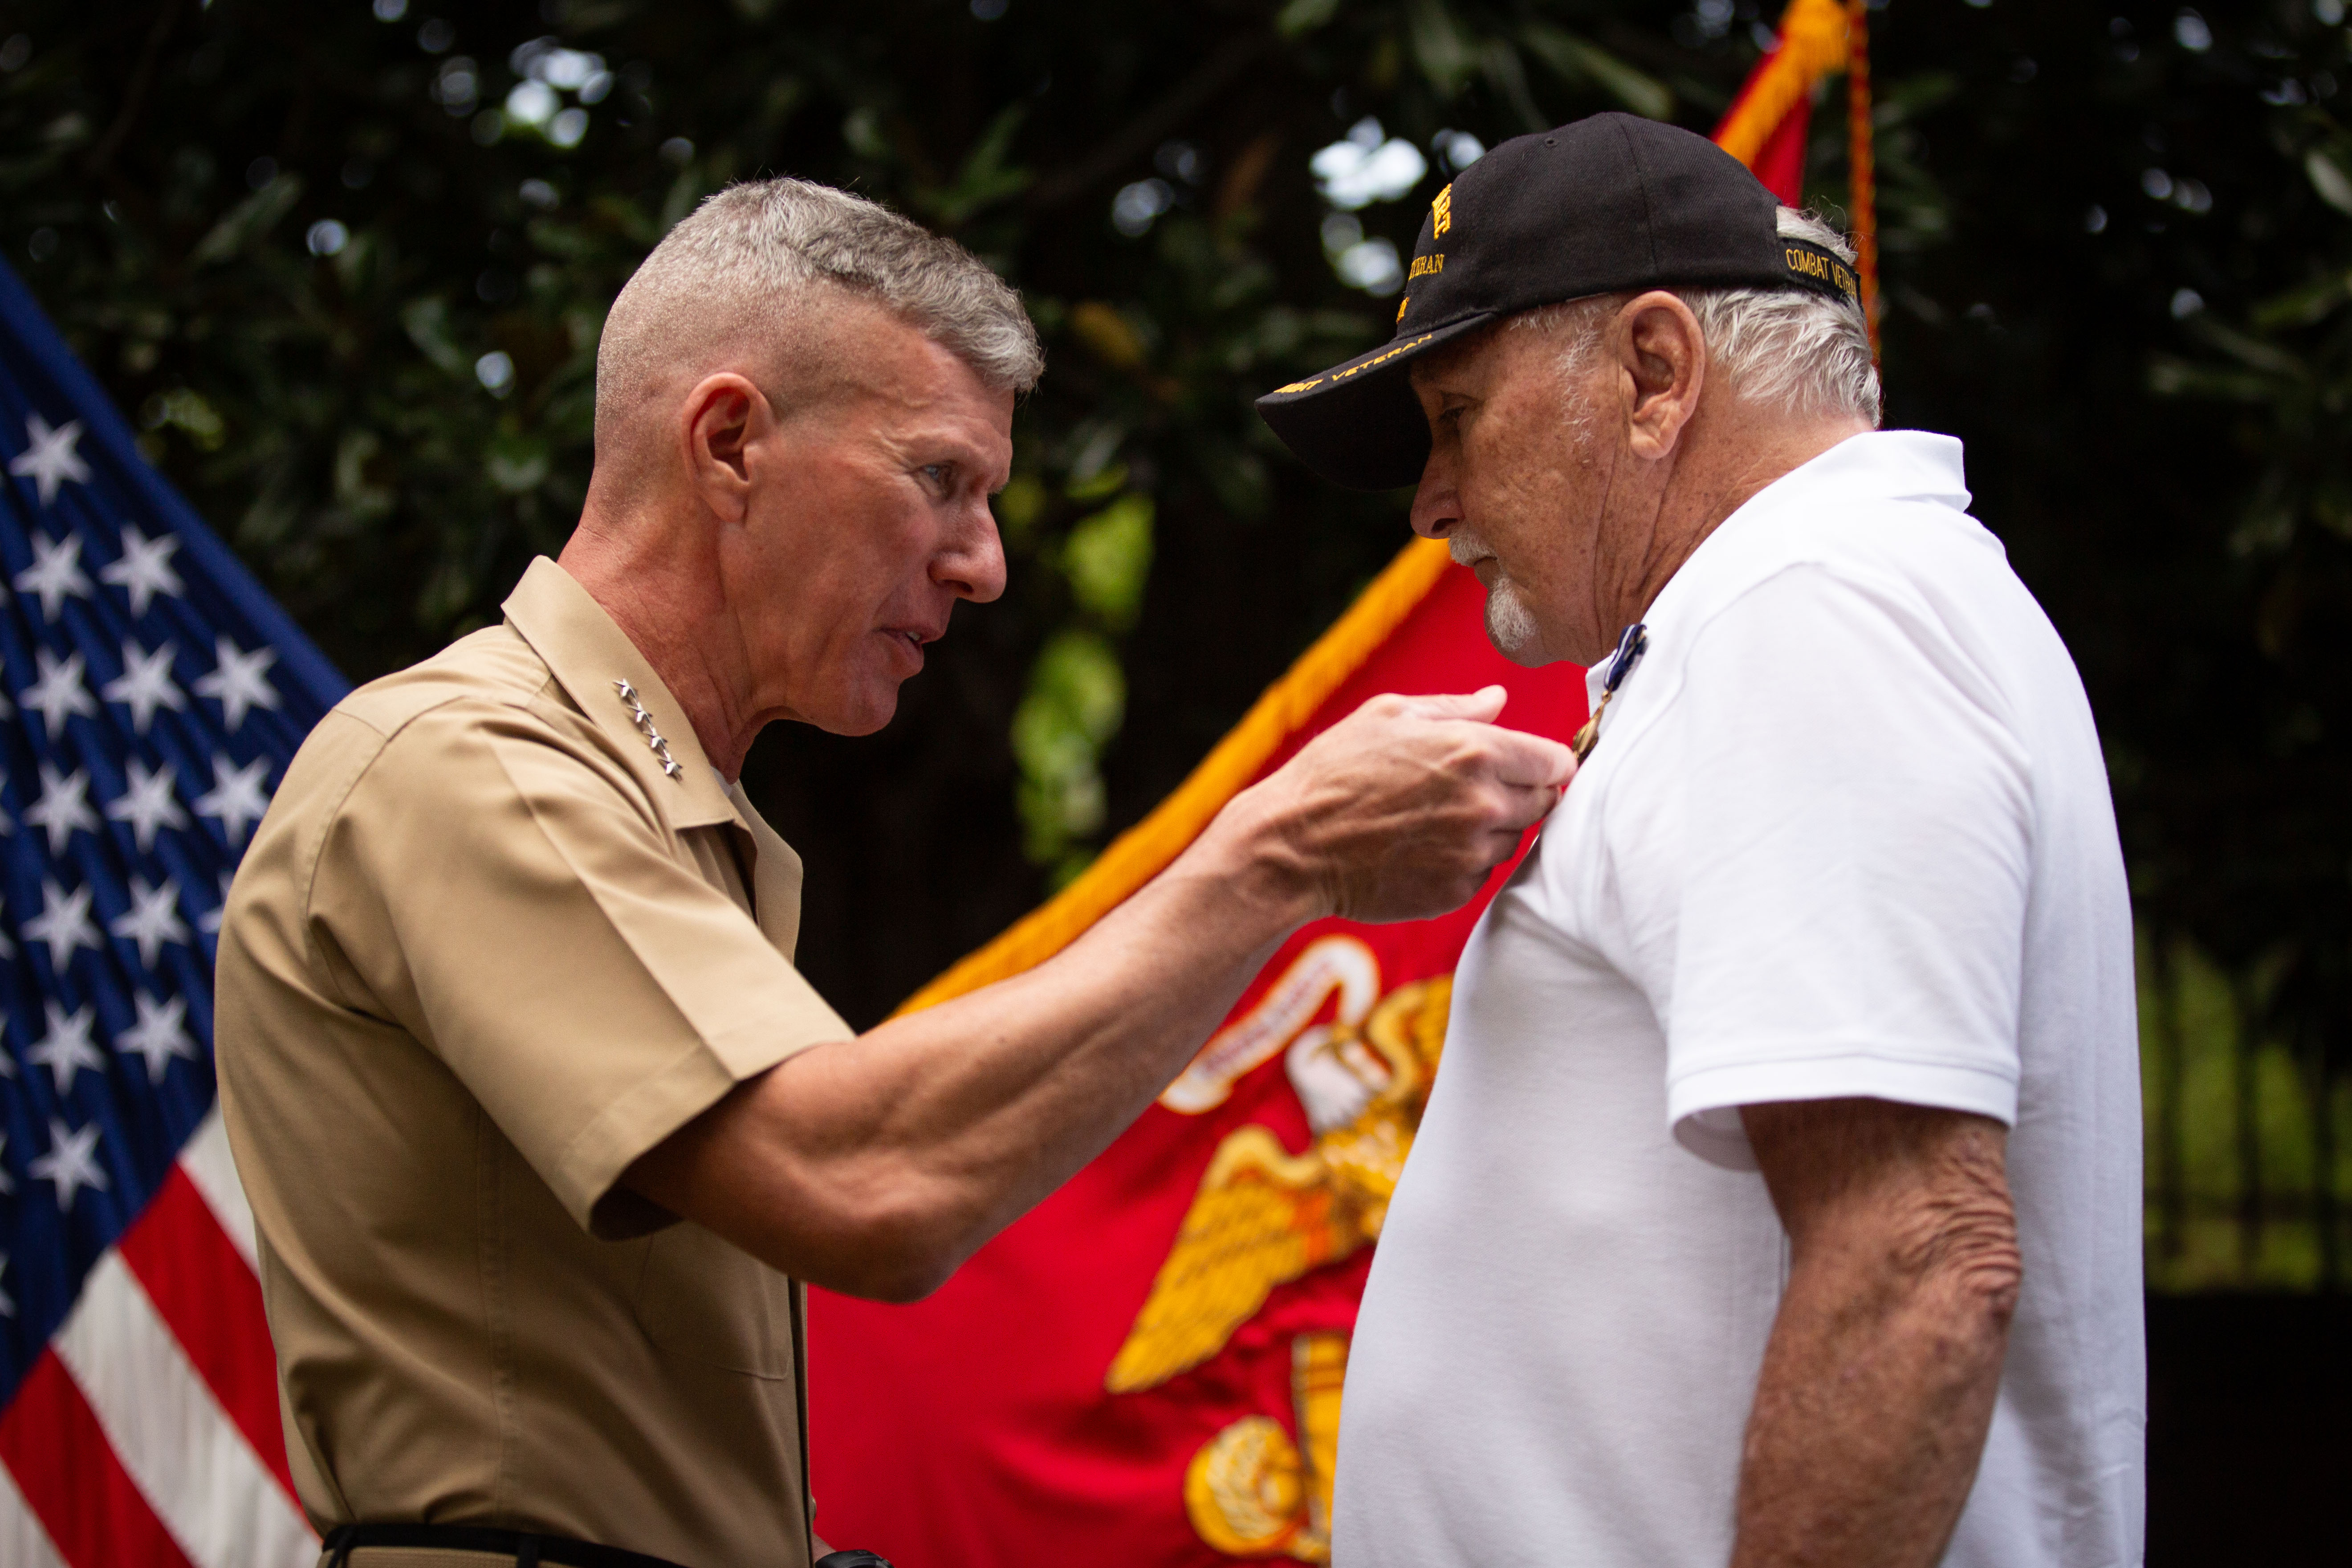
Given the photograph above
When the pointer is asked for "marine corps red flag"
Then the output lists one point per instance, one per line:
(1146, 1370)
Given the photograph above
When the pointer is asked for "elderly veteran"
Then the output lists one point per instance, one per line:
(540, 1127)
(1778, 1200)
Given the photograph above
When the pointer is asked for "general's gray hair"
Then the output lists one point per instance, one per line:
(1788, 347)
(746, 262)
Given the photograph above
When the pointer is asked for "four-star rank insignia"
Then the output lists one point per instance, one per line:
(645, 723)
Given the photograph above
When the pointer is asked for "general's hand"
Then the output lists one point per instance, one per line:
(1399, 811)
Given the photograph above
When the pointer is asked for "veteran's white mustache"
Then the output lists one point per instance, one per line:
(1510, 624)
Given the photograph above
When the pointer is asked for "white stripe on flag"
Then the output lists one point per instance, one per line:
(23, 1542)
(206, 1158)
(197, 1472)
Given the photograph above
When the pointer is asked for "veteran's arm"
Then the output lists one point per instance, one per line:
(875, 1166)
(1878, 1383)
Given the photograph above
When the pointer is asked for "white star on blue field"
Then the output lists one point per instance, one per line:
(151, 696)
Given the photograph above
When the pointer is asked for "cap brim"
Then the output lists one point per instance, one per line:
(1358, 424)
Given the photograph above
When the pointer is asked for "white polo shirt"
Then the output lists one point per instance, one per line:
(1846, 832)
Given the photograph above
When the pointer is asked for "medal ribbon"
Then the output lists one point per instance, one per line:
(1630, 648)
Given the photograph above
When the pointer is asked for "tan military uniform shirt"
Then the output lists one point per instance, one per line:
(485, 950)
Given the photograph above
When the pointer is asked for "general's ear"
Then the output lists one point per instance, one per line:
(1662, 366)
(720, 420)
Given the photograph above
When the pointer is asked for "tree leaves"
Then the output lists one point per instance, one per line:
(250, 218)
(1585, 63)
(2334, 187)
(2156, 479)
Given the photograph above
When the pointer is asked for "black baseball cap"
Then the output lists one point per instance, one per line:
(1605, 205)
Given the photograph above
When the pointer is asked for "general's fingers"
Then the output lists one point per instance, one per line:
(1431, 874)
(1521, 806)
(1483, 704)
(1410, 803)
(1529, 760)
(1512, 755)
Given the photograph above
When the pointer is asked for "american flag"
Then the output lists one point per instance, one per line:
(151, 698)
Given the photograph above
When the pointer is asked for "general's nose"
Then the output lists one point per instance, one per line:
(974, 565)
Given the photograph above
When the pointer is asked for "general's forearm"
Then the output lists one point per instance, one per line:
(916, 1141)
(1006, 1092)
(1870, 1417)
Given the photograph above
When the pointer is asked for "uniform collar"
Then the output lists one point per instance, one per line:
(588, 655)
(775, 875)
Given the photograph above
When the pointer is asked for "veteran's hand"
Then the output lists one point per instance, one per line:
(1399, 811)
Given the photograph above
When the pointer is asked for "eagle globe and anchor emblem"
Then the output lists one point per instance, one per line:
(1263, 1216)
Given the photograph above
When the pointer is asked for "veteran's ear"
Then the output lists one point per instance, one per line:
(719, 422)
(1661, 362)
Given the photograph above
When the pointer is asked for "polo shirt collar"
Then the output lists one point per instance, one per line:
(1884, 464)
(588, 656)
(1869, 465)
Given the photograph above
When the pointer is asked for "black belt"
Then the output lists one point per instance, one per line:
(527, 1548)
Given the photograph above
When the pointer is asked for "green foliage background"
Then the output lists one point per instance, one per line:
(2117, 246)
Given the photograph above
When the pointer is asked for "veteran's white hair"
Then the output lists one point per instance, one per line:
(759, 269)
(1792, 349)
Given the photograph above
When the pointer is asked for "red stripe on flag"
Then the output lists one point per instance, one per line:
(209, 1299)
(52, 1444)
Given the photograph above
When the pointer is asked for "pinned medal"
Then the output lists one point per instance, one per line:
(1630, 648)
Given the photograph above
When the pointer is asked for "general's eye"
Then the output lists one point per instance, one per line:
(938, 476)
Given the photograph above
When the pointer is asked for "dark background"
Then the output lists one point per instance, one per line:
(288, 234)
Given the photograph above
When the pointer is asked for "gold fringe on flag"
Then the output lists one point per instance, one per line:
(1812, 45)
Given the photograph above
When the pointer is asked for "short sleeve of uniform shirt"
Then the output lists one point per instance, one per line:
(1856, 850)
(553, 948)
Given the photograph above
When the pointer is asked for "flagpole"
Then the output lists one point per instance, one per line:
(1862, 162)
